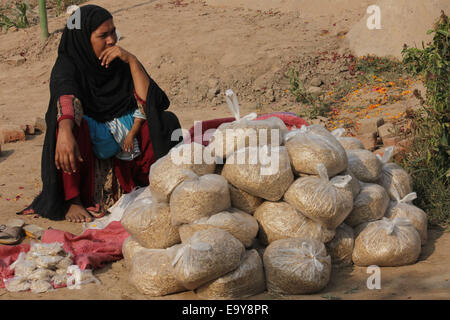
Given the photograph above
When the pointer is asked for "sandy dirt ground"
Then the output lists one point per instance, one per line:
(195, 50)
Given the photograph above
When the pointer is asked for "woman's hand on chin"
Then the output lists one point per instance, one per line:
(111, 53)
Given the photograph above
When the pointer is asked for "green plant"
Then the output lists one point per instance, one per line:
(313, 106)
(5, 21)
(58, 7)
(297, 87)
(21, 14)
(16, 17)
(428, 158)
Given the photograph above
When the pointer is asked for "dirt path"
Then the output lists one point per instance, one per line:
(195, 52)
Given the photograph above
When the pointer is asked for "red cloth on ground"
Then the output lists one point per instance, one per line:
(290, 119)
(91, 250)
(129, 173)
(206, 125)
(93, 247)
(9, 254)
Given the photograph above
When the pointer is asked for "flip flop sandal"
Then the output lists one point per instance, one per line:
(10, 235)
(15, 223)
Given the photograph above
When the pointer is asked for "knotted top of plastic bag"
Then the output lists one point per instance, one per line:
(391, 227)
(338, 181)
(233, 104)
(406, 199)
(306, 256)
(387, 155)
(338, 132)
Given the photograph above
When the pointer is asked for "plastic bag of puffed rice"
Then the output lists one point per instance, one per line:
(296, 266)
(325, 201)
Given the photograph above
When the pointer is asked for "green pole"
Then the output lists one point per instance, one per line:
(43, 19)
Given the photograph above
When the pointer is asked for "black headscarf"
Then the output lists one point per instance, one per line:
(105, 93)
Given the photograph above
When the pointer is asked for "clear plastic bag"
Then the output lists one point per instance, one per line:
(47, 261)
(151, 273)
(17, 284)
(387, 243)
(207, 255)
(355, 185)
(45, 249)
(41, 274)
(369, 205)
(403, 208)
(165, 176)
(76, 277)
(324, 201)
(59, 280)
(296, 266)
(364, 165)
(150, 224)
(262, 172)
(312, 145)
(199, 197)
(243, 200)
(65, 262)
(244, 132)
(118, 209)
(22, 266)
(247, 280)
(393, 177)
(240, 224)
(341, 247)
(349, 143)
(280, 220)
(129, 248)
(41, 286)
(190, 156)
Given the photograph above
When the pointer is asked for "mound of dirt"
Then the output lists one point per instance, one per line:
(402, 21)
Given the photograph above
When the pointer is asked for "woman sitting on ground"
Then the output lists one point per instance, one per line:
(106, 123)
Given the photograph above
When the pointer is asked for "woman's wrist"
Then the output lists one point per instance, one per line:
(132, 59)
(66, 125)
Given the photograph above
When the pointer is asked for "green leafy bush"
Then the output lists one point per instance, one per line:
(428, 158)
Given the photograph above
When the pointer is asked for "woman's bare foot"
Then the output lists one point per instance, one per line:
(77, 213)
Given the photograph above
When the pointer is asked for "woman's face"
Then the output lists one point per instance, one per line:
(104, 37)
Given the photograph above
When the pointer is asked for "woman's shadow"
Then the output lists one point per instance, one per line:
(5, 154)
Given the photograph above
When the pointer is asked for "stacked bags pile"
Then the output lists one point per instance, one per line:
(257, 226)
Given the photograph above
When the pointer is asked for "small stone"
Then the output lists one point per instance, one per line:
(40, 124)
(316, 82)
(212, 93)
(369, 140)
(16, 60)
(370, 125)
(213, 83)
(12, 134)
(343, 69)
(270, 95)
(391, 141)
(315, 91)
(385, 130)
(322, 119)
